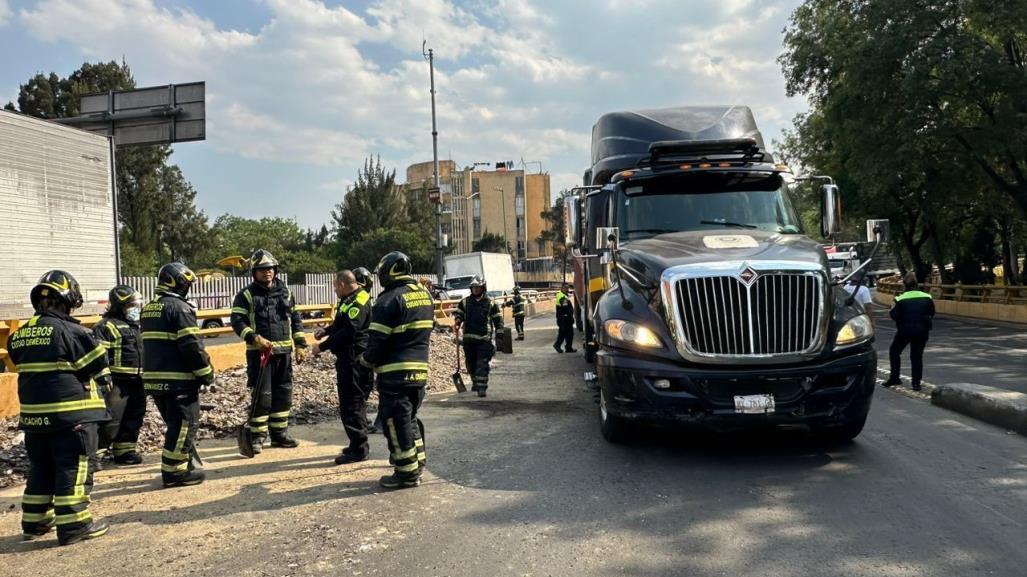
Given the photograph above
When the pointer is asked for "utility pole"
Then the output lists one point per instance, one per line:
(430, 57)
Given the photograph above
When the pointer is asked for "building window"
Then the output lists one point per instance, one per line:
(519, 205)
(477, 229)
(519, 184)
(520, 249)
(476, 204)
(475, 185)
(520, 227)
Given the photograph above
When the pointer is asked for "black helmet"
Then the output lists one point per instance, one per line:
(175, 277)
(393, 266)
(477, 281)
(262, 259)
(121, 298)
(60, 284)
(517, 290)
(363, 277)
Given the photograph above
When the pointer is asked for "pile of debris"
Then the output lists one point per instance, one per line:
(225, 406)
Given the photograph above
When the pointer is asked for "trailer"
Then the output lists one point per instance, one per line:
(495, 268)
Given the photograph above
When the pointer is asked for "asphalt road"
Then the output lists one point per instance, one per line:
(965, 351)
(521, 483)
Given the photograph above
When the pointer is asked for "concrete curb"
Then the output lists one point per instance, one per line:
(1007, 409)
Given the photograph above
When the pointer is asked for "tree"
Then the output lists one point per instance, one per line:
(554, 232)
(492, 242)
(283, 237)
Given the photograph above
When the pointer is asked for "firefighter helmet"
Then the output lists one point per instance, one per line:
(60, 284)
(393, 266)
(517, 290)
(175, 277)
(477, 281)
(363, 277)
(262, 259)
(121, 298)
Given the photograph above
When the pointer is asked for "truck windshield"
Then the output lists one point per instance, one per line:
(706, 201)
(458, 283)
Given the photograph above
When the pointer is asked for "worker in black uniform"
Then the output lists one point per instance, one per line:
(519, 305)
(347, 339)
(118, 331)
(913, 314)
(479, 318)
(365, 279)
(564, 320)
(175, 366)
(400, 331)
(264, 315)
(62, 373)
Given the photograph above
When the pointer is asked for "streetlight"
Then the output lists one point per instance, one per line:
(430, 57)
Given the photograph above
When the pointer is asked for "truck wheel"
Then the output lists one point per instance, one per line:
(843, 432)
(614, 429)
(212, 324)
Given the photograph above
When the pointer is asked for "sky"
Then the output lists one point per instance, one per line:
(300, 92)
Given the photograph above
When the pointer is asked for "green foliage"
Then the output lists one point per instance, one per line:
(919, 109)
(137, 263)
(370, 249)
(235, 235)
(554, 233)
(491, 242)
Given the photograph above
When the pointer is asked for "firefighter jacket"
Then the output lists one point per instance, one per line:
(401, 323)
(913, 312)
(564, 308)
(478, 317)
(347, 337)
(519, 304)
(124, 345)
(269, 312)
(175, 358)
(61, 370)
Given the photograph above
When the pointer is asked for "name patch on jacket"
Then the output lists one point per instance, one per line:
(31, 337)
(415, 299)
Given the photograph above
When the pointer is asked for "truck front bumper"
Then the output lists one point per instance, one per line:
(813, 394)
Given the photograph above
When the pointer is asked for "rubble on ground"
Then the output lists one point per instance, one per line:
(314, 400)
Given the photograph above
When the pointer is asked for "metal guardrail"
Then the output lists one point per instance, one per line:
(993, 294)
(443, 314)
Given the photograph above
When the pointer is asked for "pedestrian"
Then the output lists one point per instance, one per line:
(564, 320)
(480, 318)
(118, 331)
(175, 366)
(913, 314)
(519, 305)
(264, 315)
(62, 374)
(862, 296)
(397, 349)
(347, 339)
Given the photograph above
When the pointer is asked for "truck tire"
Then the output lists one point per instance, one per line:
(843, 432)
(614, 429)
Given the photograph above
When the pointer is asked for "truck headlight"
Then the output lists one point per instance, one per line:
(632, 333)
(856, 330)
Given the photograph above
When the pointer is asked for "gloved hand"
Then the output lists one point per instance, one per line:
(262, 343)
(320, 333)
(316, 352)
(301, 354)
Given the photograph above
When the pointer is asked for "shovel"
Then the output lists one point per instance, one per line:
(458, 379)
(245, 442)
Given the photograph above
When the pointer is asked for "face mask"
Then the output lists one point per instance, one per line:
(132, 314)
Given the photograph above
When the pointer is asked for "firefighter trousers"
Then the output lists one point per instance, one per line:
(519, 325)
(275, 402)
(181, 414)
(404, 432)
(354, 383)
(59, 481)
(126, 404)
(478, 354)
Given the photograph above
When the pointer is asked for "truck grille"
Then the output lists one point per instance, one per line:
(778, 314)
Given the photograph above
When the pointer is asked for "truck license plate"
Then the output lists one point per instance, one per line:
(754, 404)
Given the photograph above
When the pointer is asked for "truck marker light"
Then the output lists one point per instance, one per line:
(686, 167)
(627, 174)
(724, 165)
(705, 165)
(662, 384)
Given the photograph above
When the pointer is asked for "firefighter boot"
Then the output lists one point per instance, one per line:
(349, 456)
(194, 477)
(37, 532)
(284, 440)
(397, 482)
(91, 531)
(132, 458)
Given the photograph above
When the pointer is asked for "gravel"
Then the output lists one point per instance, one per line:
(314, 400)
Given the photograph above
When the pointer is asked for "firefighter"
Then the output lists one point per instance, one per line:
(264, 315)
(119, 333)
(175, 366)
(347, 339)
(401, 323)
(62, 373)
(519, 305)
(564, 320)
(366, 280)
(480, 319)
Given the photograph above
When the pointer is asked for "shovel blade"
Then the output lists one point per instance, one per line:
(458, 382)
(245, 443)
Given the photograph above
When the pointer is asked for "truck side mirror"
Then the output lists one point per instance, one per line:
(878, 228)
(830, 210)
(571, 221)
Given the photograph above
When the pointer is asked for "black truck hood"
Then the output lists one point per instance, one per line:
(648, 258)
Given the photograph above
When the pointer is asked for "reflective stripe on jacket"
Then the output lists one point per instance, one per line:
(175, 357)
(478, 317)
(269, 312)
(347, 337)
(402, 320)
(124, 345)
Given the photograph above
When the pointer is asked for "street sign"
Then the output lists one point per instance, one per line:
(144, 116)
(435, 194)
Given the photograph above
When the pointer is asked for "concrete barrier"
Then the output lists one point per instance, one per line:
(1007, 409)
(970, 310)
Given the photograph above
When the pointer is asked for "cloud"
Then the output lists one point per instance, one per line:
(340, 184)
(5, 12)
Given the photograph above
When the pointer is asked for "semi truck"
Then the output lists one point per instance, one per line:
(495, 268)
(702, 301)
(58, 207)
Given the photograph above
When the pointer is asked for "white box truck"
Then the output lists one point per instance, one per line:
(495, 268)
(57, 207)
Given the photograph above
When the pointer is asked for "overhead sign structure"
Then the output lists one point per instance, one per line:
(145, 116)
